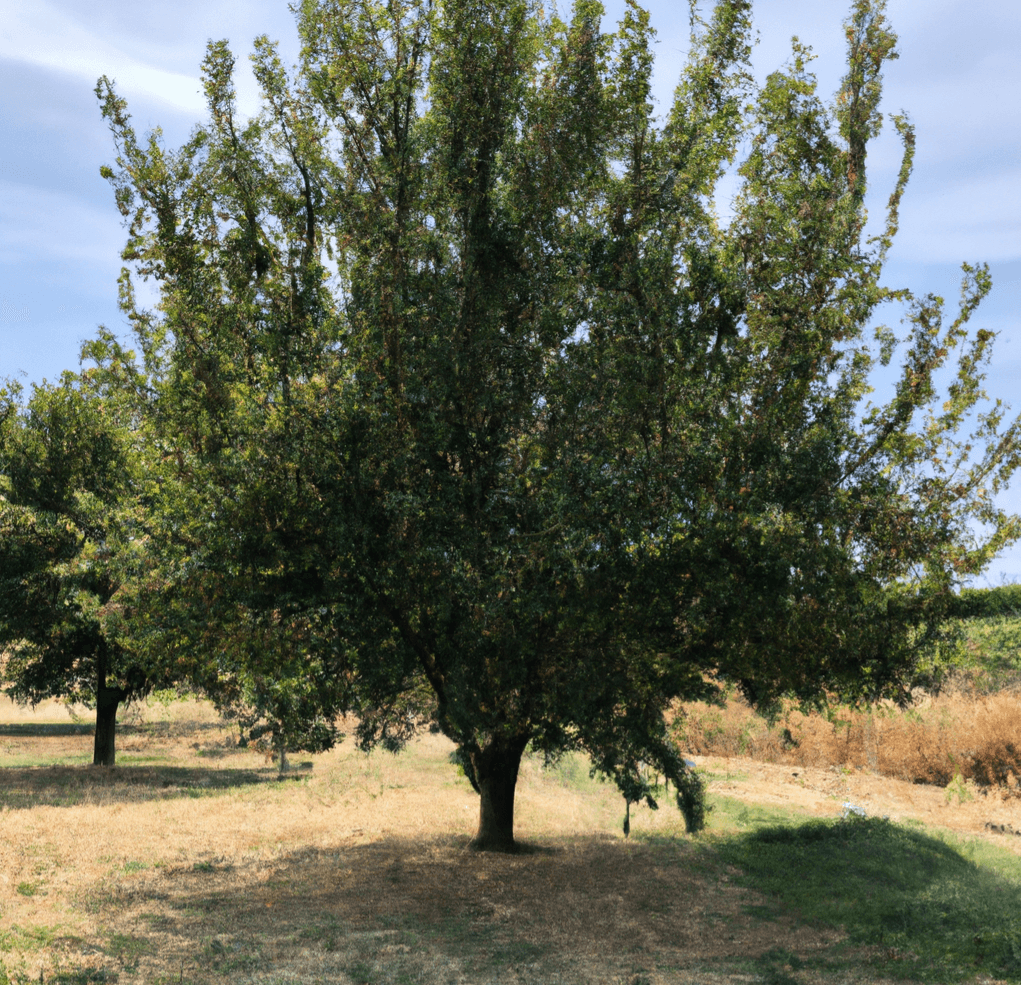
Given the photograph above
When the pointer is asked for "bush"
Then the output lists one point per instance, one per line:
(978, 737)
(1001, 600)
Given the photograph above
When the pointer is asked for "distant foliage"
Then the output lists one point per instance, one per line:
(1001, 600)
(990, 660)
(974, 737)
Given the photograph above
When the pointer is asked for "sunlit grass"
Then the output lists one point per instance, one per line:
(181, 867)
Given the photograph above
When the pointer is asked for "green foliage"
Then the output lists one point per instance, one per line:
(979, 652)
(75, 494)
(1000, 600)
(488, 421)
(957, 789)
(990, 651)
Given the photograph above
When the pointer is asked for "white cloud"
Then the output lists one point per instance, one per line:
(41, 34)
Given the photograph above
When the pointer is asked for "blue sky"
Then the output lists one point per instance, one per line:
(958, 78)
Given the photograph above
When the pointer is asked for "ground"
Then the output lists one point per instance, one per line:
(968, 809)
(192, 862)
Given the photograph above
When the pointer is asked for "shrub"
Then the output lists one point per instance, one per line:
(978, 737)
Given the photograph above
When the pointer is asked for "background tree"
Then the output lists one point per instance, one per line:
(74, 491)
(490, 403)
(97, 530)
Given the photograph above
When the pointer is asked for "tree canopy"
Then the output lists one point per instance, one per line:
(499, 426)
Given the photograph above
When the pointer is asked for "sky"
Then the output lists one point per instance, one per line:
(958, 79)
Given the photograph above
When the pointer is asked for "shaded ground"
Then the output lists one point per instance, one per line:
(432, 911)
(192, 862)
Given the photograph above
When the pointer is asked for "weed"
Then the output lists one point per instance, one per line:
(957, 789)
(27, 889)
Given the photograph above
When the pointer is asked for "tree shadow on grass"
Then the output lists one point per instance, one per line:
(162, 730)
(927, 911)
(67, 786)
(820, 902)
(432, 910)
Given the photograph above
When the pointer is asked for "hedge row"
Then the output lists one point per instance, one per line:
(1001, 600)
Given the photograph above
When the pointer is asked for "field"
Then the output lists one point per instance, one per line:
(191, 861)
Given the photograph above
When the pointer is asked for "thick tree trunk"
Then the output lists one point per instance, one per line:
(496, 770)
(107, 701)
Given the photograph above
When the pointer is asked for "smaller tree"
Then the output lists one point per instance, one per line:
(75, 490)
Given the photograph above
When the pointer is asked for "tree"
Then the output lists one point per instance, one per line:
(95, 532)
(529, 442)
(73, 488)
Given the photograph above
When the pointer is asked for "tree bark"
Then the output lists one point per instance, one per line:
(107, 701)
(496, 770)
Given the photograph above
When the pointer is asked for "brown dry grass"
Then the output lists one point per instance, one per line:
(192, 862)
(973, 736)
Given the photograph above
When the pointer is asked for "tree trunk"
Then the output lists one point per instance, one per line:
(107, 700)
(496, 770)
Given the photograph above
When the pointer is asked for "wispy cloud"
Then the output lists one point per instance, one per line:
(41, 34)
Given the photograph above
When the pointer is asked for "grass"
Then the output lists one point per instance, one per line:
(970, 732)
(930, 909)
(183, 868)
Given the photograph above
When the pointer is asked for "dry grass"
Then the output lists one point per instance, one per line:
(967, 735)
(192, 862)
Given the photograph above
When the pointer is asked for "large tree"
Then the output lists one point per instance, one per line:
(501, 419)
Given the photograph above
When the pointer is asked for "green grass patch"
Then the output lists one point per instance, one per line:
(732, 815)
(938, 909)
(31, 937)
(127, 948)
(83, 974)
(32, 759)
